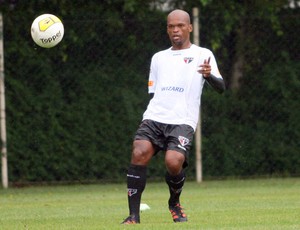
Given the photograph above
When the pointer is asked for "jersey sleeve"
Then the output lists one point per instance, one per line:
(152, 76)
(214, 67)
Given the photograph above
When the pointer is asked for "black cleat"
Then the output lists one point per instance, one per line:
(177, 213)
(132, 219)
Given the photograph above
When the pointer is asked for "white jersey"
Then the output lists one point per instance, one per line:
(177, 86)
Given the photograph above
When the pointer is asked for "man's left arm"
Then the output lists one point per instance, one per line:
(216, 82)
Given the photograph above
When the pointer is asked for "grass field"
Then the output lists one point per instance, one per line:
(230, 204)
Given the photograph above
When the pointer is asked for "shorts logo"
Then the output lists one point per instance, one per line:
(183, 140)
(131, 191)
(188, 60)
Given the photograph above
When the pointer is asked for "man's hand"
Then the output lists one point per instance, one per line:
(205, 68)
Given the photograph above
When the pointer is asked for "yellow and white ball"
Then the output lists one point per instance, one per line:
(47, 30)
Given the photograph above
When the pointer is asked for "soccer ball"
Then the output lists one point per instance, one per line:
(47, 30)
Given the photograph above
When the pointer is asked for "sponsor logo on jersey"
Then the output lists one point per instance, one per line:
(188, 60)
(131, 191)
(172, 88)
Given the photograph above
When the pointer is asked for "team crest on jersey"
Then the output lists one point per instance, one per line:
(183, 140)
(188, 60)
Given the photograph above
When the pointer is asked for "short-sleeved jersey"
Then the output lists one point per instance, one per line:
(177, 86)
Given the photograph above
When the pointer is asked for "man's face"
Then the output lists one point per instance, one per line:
(178, 29)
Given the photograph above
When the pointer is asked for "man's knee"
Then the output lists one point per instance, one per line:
(174, 161)
(142, 152)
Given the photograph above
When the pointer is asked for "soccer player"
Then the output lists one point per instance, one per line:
(176, 79)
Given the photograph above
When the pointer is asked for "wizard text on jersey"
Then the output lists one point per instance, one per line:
(172, 88)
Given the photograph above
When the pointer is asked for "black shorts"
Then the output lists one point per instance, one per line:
(167, 137)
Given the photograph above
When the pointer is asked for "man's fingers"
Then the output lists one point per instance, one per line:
(206, 61)
(205, 67)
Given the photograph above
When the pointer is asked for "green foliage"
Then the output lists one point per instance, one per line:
(72, 110)
(250, 135)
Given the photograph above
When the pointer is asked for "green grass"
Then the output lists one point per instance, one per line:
(234, 204)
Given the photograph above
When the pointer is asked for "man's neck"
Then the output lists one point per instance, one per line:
(182, 47)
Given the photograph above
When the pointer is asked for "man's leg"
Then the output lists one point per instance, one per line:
(136, 178)
(175, 178)
(175, 184)
(136, 182)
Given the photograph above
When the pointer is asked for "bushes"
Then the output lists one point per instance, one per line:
(72, 110)
(254, 131)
